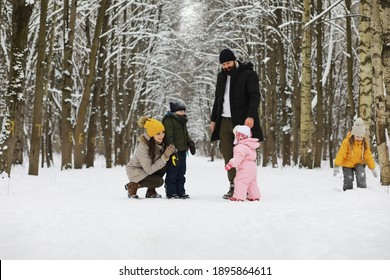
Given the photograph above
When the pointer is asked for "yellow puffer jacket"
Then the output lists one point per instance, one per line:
(348, 157)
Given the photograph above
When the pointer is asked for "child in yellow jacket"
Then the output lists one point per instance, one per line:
(354, 154)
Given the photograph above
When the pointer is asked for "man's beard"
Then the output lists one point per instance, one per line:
(229, 70)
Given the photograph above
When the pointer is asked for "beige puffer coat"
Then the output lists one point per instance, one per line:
(140, 165)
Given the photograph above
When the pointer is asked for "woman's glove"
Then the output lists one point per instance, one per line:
(374, 173)
(168, 152)
(336, 171)
(191, 145)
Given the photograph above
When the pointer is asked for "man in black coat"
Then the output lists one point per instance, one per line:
(237, 100)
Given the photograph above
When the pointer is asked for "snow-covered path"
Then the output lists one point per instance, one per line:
(85, 214)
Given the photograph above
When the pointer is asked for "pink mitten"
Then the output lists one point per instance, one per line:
(228, 166)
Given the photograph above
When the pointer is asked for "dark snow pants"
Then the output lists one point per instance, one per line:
(175, 178)
(226, 145)
(360, 173)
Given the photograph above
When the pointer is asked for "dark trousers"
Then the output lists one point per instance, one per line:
(349, 174)
(226, 145)
(155, 180)
(175, 178)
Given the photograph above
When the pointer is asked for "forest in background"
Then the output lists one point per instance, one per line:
(77, 75)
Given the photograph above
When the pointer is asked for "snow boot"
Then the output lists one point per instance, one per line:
(132, 188)
(174, 196)
(151, 193)
(235, 199)
(184, 196)
(229, 194)
(253, 199)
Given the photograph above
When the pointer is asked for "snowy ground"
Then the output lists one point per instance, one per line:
(85, 214)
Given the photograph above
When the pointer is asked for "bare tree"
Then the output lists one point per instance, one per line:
(12, 126)
(284, 92)
(306, 143)
(66, 116)
(37, 124)
(319, 134)
(365, 74)
(99, 99)
(271, 97)
(82, 110)
(296, 83)
(379, 25)
(350, 99)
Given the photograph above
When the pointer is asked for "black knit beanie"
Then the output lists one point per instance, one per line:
(226, 55)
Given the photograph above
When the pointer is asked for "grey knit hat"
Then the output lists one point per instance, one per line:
(177, 105)
(358, 128)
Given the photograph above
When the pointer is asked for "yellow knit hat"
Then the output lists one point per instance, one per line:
(152, 126)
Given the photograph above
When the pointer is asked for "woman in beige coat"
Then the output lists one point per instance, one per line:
(147, 166)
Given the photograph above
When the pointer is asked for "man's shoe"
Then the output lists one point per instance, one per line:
(229, 194)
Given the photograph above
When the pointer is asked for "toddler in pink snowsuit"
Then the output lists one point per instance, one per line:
(244, 160)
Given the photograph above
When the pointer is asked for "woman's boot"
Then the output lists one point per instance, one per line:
(151, 193)
(132, 188)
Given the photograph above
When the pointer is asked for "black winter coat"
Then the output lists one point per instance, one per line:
(244, 99)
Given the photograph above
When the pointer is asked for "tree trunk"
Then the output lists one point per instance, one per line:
(49, 117)
(285, 96)
(108, 131)
(271, 105)
(306, 143)
(92, 125)
(365, 74)
(331, 137)
(105, 98)
(119, 121)
(48, 152)
(82, 110)
(13, 121)
(350, 103)
(120, 107)
(286, 109)
(320, 103)
(385, 14)
(377, 86)
(66, 115)
(264, 118)
(261, 73)
(37, 124)
(296, 97)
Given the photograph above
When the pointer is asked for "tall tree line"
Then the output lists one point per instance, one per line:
(78, 74)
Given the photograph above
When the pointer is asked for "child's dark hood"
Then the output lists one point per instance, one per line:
(245, 65)
(242, 66)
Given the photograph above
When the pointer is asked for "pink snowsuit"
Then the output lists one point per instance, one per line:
(245, 182)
